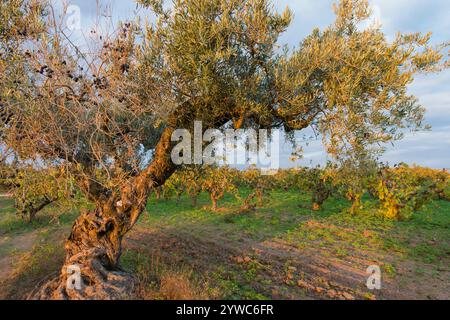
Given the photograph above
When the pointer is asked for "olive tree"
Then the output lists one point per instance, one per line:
(108, 113)
(35, 189)
(217, 182)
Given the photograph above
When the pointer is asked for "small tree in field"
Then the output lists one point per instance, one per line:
(193, 177)
(217, 182)
(319, 183)
(107, 114)
(261, 184)
(7, 172)
(158, 191)
(353, 177)
(174, 186)
(442, 180)
(34, 190)
(286, 179)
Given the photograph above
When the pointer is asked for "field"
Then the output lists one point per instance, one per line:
(282, 250)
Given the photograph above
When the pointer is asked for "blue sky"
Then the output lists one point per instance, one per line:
(423, 148)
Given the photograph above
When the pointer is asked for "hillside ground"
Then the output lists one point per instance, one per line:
(282, 250)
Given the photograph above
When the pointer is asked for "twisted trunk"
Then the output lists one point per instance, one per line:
(93, 250)
(248, 205)
(94, 246)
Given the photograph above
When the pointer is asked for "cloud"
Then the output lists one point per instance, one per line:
(425, 148)
(307, 16)
(415, 15)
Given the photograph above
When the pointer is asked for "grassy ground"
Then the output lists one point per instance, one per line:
(282, 250)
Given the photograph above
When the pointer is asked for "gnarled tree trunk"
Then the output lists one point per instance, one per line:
(93, 249)
(94, 246)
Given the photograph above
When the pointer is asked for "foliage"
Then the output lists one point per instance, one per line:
(404, 190)
(401, 190)
(174, 186)
(193, 181)
(34, 189)
(260, 183)
(352, 178)
(107, 115)
(217, 182)
(320, 183)
(7, 172)
(287, 179)
(211, 60)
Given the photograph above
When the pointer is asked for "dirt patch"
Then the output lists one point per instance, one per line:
(274, 270)
(11, 248)
(279, 270)
(423, 281)
(37, 255)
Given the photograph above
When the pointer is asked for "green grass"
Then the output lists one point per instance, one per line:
(11, 224)
(286, 215)
(425, 238)
(274, 218)
(332, 232)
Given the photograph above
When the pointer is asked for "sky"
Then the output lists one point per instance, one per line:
(431, 148)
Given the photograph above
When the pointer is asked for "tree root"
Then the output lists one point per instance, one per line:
(90, 280)
(115, 285)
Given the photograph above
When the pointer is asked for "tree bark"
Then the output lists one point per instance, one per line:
(260, 195)
(95, 242)
(94, 246)
(214, 202)
(158, 193)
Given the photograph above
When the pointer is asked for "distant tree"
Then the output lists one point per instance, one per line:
(217, 182)
(403, 190)
(353, 177)
(443, 185)
(35, 189)
(286, 179)
(261, 184)
(7, 172)
(158, 191)
(319, 183)
(174, 186)
(108, 114)
(193, 177)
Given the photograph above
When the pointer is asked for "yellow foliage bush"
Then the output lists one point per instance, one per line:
(403, 190)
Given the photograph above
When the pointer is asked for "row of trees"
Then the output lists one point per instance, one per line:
(193, 180)
(400, 190)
